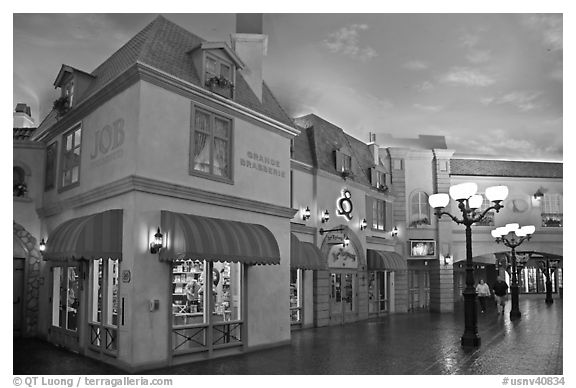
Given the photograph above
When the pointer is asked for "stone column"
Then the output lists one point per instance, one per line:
(442, 274)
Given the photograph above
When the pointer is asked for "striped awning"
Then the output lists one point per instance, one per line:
(90, 237)
(304, 255)
(384, 260)
(204, 238)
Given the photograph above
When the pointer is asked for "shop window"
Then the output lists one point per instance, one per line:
(104, 304)
(65, 298)
(20, 187)
(552, 210)
(378, 291)
(50, 172)
(211, 145)
(378, 214)
(419, 209)
(218, 76)
(70, 172)
(206, 304)
(295, 296)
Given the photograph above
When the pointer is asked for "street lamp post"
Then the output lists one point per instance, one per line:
(548, 267)
(469, 204)
(512, 236)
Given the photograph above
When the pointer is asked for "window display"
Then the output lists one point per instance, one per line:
(295, 296)
(190, 299)
(65, 298)
(103, 315)
(188, 292)
(206, 313)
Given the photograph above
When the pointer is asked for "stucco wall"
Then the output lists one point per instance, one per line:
(164, 148)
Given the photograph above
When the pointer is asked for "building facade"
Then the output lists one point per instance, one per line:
(168, 210)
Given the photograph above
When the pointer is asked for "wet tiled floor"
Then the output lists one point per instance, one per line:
(398, 344)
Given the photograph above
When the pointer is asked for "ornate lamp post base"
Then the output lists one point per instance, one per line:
(515, 311)
(470, 341)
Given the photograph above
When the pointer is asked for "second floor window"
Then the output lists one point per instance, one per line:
(419, 209)
(551, 210)
(50, 172)
(211, 144)
(378, 214)
(70, 173)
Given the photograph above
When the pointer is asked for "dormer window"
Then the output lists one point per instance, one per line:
(343, 164)
(218, 76)
(378, 179)
(68, 92)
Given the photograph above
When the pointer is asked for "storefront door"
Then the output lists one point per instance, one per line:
(18, 295)
(66, 305)
(379, 292)
(342, 297)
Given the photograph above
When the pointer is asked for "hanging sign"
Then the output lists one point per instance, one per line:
(345, 206)
(340, 257)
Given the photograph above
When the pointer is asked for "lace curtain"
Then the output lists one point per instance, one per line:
(215, 160)
(201, 144)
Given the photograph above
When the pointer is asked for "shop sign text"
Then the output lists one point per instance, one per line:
(108, 143)
(262, 163)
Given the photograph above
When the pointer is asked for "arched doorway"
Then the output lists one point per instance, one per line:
(344, 263)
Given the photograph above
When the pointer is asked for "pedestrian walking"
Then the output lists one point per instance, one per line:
(500, 294)
(483, 292)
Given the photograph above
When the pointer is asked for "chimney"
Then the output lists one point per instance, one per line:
(251, 45)
(23, 117)
(373, 147)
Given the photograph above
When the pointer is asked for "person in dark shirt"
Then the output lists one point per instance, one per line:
(500, 294)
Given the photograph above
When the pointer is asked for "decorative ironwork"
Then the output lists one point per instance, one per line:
(194, 336)
(227, 333)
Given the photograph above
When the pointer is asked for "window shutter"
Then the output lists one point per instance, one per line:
(339, 161)
(373, 176)
(369, 211)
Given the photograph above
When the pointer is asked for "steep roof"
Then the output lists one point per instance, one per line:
(165, 46)
(323, 139)
(505, 168)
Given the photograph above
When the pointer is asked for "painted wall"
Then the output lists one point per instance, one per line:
(109, 145)
(164, 149)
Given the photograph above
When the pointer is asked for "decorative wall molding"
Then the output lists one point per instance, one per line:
(153, 186)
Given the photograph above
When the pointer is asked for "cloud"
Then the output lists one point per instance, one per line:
(429, 108)
(416, 65)
(345, 41)
(479, 56)
(524, 101)
(467, 77)
(425, 86)
(549, 28)
(469, 40)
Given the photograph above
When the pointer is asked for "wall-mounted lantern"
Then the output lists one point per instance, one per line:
(346, 241)
(42, 245)
(306, 214)
(158, 242)
(394, 232)
(363, 224)
(325, 216)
